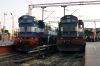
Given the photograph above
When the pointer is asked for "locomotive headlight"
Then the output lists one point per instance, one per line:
(32, 38)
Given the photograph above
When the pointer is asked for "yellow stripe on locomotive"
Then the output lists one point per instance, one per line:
(21, 21)
(63, 20)
(29, 20)
(74, 21)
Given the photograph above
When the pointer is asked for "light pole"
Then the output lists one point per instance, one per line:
(4, 27)
(64, 6)
(12, 25)
(43, 12)
(95, 31)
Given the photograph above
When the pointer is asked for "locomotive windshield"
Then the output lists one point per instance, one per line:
(65, 30)
(72, 30)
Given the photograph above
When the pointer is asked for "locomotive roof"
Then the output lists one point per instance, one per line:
(35, 20)
(68, 15)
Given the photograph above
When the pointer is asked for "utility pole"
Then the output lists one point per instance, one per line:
(4, 27)
(43, 12)
(12, 25)
(95, 31)
(64, 6)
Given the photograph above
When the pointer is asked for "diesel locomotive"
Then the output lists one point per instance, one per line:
(32, 34)
(70, 34)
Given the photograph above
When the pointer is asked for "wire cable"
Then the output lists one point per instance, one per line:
(27, 1)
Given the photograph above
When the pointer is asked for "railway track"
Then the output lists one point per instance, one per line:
(14, 58)
(17, 59)
(57, 59)
(61, 60)
(7, 54)
(39, 60)
(32, 59)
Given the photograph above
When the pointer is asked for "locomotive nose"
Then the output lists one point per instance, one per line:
(68, 42)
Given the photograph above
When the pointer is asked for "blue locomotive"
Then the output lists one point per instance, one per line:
(31, 34)
(70, 34)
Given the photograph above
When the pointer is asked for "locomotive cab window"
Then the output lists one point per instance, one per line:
(72, 30)
(65, 30)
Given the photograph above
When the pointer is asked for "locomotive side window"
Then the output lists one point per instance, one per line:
(21, 29)
(61, 28)
(28, 29)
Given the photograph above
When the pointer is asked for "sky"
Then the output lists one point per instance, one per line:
(20, 7)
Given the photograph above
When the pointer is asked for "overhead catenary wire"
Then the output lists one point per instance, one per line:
(27, 1)
(73, 8)
(65, 3)
(77, 3)
(48, 15)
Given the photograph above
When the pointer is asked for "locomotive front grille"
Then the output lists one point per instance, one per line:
(24, 42)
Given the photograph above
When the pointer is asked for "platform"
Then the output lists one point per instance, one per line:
(6, 43)
(92, 56)
(6, 46)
